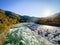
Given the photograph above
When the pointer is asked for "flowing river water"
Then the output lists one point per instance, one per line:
(33, 34)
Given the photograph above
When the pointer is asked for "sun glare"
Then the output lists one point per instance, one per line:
(47, 13)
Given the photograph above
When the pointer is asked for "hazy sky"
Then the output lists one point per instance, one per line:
(37, 8)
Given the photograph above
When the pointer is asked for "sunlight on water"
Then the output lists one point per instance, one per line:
(46, 27)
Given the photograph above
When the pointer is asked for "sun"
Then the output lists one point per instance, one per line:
(47, 12)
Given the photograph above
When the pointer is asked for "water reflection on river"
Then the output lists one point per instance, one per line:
(50, 29)
(51, 33)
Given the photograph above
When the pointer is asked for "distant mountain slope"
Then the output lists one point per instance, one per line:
(56, 14)
(52, 20)
(26, 18)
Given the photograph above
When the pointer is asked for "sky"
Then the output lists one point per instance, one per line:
(37, 8)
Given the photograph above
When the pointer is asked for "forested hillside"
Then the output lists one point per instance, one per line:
(51, 20)
(7, 19)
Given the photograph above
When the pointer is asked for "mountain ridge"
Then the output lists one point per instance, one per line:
(53, 20)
